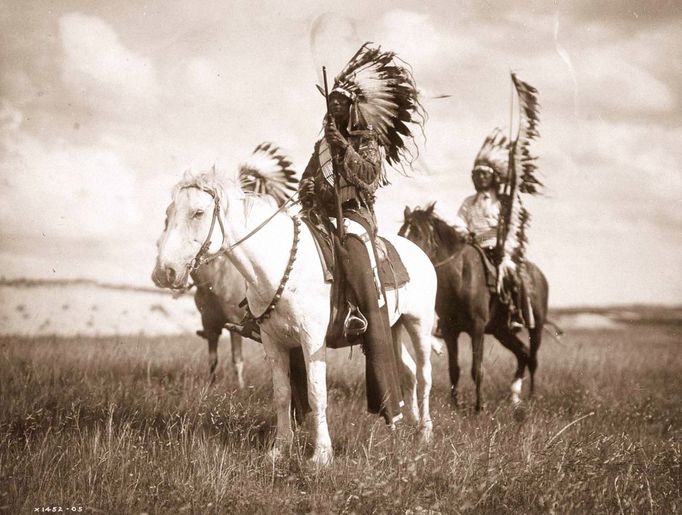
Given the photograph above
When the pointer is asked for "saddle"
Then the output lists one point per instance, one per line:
(517, 294)
(347, 323)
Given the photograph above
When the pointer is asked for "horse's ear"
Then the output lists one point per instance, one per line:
(430, 208)
(407, 212)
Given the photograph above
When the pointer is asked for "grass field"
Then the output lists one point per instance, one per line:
(129, 425)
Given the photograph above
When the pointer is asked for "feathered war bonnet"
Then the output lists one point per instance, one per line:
(494, 156)
(268, 171)
(384, 99)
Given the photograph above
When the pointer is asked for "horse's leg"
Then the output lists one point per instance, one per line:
(512, 342)
(419, 330)
(477, 338)
(408, 375)
(281, 395)
(451, 340)
(237, 358)
(212, 338)
(535, 341)
(316, 366)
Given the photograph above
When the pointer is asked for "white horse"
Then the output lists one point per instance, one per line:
(220, 287)
(279, 261)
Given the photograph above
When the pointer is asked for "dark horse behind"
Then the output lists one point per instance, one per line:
(465, 304)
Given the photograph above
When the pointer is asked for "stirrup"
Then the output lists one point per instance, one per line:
(248, 330)
(515, 326)
(355, 323)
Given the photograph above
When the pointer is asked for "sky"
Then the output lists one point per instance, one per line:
(104, 105)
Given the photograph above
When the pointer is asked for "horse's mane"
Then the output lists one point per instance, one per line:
(209, 181)
(218, 183)
(441, 234)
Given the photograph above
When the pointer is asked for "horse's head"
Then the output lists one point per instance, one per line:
(191, 219)
(418, 228)
(430, 233)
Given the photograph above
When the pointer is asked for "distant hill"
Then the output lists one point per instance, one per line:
(86, 307)
(32, 307)
(628, 314)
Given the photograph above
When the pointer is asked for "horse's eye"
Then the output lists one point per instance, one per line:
(198, 214)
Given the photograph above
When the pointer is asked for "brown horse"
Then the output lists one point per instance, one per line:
(465, 304)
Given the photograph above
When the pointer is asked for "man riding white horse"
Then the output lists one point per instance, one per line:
(370, 101)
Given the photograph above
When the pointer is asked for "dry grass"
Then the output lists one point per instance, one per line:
(129, 425)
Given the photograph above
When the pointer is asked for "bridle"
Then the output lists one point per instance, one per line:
(202, 257)
(430, 242)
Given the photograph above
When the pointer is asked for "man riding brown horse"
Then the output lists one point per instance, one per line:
(342, 176)
(479, 217)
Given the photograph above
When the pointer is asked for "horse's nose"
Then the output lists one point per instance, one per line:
(171, 274)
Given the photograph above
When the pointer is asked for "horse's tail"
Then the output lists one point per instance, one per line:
(558, 331)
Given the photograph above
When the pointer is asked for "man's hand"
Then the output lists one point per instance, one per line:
(306, 191)
(307, 187)
(334, 137)
(507, 266)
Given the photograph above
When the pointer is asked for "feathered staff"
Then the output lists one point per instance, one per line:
(521, 173)
(268, 171)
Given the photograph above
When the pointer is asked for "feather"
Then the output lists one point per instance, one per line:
(522, 169)
(269, 172)
(494, 153)
(528, 131)
(386, 98)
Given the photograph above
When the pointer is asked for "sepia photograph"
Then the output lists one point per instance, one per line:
(310, 257)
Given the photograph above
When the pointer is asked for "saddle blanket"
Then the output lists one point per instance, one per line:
(391, 270)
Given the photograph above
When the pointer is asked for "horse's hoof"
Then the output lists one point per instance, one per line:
(426, 433)
(454, 400)
(276, 454)
(322, 457)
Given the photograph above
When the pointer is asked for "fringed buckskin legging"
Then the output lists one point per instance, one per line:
(384, 395)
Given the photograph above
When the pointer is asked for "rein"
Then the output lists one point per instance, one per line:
(446, 260)
(201, 257)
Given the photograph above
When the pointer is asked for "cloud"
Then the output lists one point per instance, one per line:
(626, 88)
(95, 56)
(61, 189)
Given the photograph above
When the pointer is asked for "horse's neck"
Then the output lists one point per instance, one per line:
(262, 257)
(446, 249)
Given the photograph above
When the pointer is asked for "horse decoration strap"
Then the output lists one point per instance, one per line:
(250, 323)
